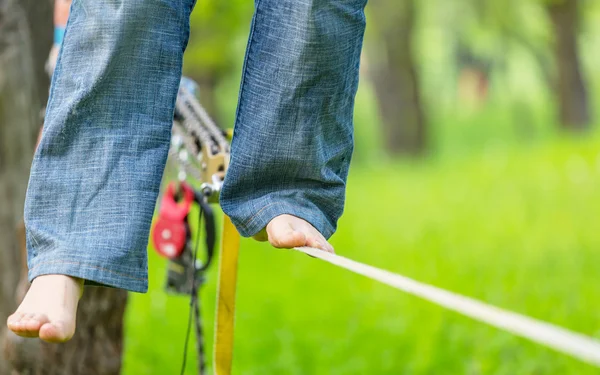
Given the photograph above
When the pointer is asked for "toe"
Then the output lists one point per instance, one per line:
(281, 234)
(287, 231)
(56, 332)
(25, 320)
(26, 324)
(288, 239)
(14, 321)
(319, 243)
(34, 322)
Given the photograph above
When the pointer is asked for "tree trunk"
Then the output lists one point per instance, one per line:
(40, 23)
(97, 345)
(395, 79)
(19, 121)
(571, 91)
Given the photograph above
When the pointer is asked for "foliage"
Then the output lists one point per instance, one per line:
(512, 224)
(504, 210)
(217, 26)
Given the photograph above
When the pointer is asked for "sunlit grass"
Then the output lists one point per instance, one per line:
(516, 227)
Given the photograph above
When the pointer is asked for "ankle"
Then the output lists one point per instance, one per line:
(75, 284)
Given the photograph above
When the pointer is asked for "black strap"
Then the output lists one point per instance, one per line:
(210, 228)
(207, 213)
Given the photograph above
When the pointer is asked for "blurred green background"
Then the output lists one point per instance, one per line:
(477, 168)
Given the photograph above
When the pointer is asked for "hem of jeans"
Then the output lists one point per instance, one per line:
(259, 221)
(93, 274)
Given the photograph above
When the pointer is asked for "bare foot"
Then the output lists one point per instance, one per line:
(287, 231)
(49, 309)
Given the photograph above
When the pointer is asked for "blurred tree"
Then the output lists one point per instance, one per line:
(25, 40)
(570, 87)
(507, 24)
(514, 22)
(474, 76)
(20, 105)
(393, 71)
(212, 52)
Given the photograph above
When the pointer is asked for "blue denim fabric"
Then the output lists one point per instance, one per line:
(97, 172)
(293, 134)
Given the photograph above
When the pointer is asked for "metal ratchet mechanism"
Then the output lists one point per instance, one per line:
(199, 146)
(202, 150)
(199, 150)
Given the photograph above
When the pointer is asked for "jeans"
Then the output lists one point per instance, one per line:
(97, 171)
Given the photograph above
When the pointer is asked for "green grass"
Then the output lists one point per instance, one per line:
(516, 227)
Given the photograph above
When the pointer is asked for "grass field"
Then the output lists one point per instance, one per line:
(515, 227)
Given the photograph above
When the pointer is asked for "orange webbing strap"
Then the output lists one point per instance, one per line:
(228, 263)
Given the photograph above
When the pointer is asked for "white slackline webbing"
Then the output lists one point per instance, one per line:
(568, 342)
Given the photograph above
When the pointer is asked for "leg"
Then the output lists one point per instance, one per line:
(96, 173)
(293, 134)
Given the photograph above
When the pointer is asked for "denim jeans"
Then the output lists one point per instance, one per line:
(97, 171)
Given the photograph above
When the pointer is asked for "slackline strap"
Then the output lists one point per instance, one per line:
(579, 346)
(582, 347)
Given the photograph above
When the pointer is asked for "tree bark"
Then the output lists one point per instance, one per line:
(395, 79)
(97, 345)
(571, 92)
(39, 18)
(19, 121)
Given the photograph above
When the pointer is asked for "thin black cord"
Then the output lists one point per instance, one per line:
(193, 297)
(200, 341)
